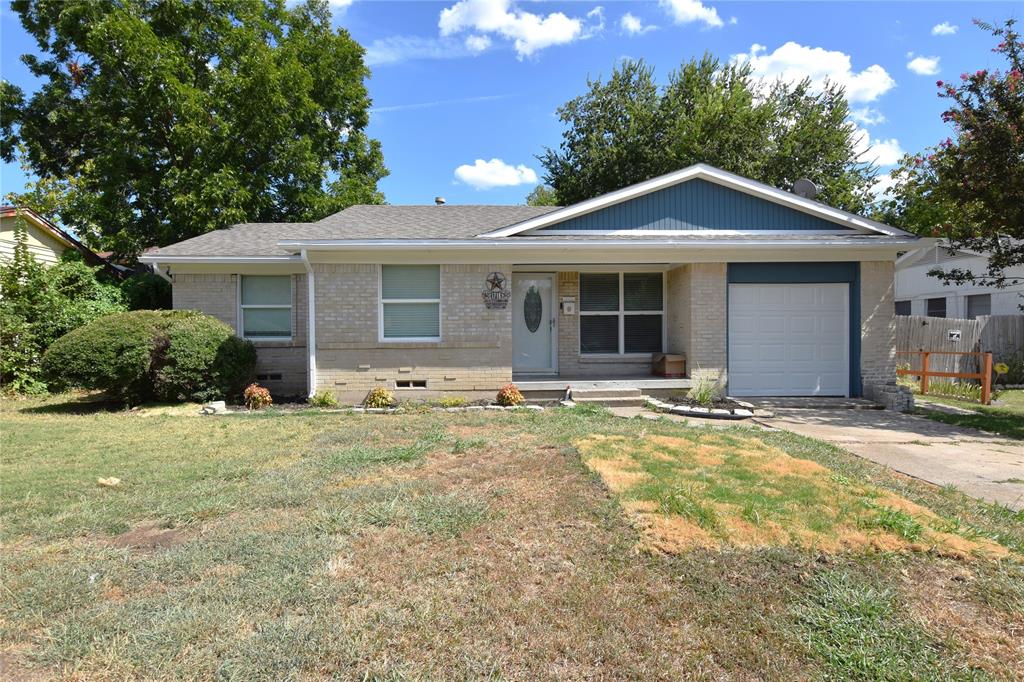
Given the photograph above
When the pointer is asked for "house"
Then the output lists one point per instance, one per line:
(917, 293)
(46, 242)
(773, 293)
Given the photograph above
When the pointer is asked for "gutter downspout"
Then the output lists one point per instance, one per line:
(161, 273)
(311, 319)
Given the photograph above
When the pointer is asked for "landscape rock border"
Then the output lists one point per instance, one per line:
(746, 411)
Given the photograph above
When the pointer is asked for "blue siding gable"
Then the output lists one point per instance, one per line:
(696, 205)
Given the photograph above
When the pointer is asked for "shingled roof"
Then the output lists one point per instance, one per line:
(358, 222)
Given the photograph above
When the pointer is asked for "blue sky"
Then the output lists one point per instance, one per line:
(465, 91)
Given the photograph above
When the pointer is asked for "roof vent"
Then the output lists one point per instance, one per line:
(805, 188)
(439, 201)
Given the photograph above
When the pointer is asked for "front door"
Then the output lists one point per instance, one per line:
(533, 321)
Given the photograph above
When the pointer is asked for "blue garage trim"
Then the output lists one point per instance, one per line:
(808, 273)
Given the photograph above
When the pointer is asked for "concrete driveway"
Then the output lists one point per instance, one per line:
(985, 466)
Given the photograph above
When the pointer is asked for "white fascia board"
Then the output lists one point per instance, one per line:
(711, 174)
(240, 260)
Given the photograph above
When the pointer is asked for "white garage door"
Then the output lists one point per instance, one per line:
(789, 339)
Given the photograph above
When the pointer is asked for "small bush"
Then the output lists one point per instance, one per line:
(509, 396)
(149, 354)
(257, 397)
(380, 398)
(323, 399)
(146, 291)
(1015, 369)
(706, 391)
(452, 401)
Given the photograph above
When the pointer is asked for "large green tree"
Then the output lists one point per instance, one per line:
(628, 129)
(970, 187)
(171, 118)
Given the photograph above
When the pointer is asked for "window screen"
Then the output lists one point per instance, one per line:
(266, 305)
(410, 301)
(936, 307)
(621, 312)
(978, 305)
(902, 307)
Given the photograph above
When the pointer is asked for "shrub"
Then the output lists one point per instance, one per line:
(509, 396)
(146, 291)
(323, 399)
(257, 397)
(452, 401)
(150, 354)
(705, 391)
(1015, 369)
(379, 397)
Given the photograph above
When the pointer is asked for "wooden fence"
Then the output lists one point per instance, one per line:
(952, 339)
(925, 370)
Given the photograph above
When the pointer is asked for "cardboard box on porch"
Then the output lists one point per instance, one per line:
(668, 365)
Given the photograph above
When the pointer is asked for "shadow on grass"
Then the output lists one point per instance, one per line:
(85, 404)
(994, 420)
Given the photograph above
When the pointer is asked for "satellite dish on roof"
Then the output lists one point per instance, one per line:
(805, 188)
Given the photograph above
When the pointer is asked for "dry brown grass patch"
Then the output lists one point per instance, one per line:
(720, 489)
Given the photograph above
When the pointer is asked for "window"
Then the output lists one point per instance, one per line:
(902, 307)
(978, 305)
(936, 307)
(266, 306)
(410, 302)
(621, 312)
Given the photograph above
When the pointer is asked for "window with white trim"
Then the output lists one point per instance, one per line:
(410, 302)
(622, 312)
(266, 306)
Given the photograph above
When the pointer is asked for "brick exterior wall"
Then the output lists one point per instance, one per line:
(706, 332)
(474, 354)
(677, 314)
(878, 325)
(217, 295)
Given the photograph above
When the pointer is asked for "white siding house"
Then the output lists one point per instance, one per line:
(917, 293)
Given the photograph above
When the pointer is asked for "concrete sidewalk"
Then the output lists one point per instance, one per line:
(986, 466)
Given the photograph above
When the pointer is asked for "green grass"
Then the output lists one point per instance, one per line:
(302, 545)
(857, 628)
(1005, 419)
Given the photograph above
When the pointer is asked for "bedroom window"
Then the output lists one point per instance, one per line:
(978, 305)
(266, 306)
(410, 302)
(621, 312)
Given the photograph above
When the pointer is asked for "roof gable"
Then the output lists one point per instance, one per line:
(693, 206)
(716, 201)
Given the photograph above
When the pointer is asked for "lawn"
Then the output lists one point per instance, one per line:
(1006, 417)
(298, 545)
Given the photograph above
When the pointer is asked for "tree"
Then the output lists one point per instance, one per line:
(174, 118)
(629, 129)
(542, 195)
(970, 187)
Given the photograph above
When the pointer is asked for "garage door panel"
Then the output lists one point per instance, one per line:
(788, 339)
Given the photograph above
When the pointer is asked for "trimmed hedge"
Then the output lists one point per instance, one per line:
(167, 355)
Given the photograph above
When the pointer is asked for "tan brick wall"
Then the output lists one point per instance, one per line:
(217, 295)
(474, 354)
(877, 322)
(706, 347)
(677, 313)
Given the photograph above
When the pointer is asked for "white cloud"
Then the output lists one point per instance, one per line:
(529, 32)
(944, 29)
(689, 11)
(437, 103)
(495, 173)
(397, 49)
(477, 44)
(733, 21)
(883, 183)
(794, 62)
(867, 116)
(923, 66)
(881, 152)
(341, 4)
(634, 25)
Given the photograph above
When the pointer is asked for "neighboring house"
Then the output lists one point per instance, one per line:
(774, 293)
(917, 293)
(46, 242)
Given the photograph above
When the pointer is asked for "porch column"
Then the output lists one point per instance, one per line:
(706, 331)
